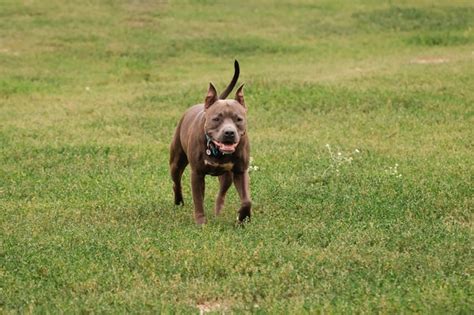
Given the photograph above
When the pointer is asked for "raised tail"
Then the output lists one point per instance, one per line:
(232, 83)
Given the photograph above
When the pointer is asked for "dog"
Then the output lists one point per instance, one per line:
(212, 139)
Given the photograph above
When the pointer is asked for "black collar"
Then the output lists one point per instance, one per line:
(211, 149)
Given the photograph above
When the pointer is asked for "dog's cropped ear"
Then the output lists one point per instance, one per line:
(239, 95)
(211, 96)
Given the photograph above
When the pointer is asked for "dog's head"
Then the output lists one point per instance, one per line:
(226, 120)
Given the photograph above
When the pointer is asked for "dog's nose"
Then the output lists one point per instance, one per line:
(229, 133)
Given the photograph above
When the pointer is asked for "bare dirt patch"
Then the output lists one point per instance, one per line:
(429, 60)
(211, 306)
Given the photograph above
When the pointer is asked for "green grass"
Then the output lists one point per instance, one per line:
(360, 118)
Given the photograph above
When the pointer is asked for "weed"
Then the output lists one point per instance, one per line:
(338, 160)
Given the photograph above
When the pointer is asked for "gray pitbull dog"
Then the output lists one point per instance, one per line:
(212, 138)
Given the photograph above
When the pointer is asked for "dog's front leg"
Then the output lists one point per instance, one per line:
(225, 181)
(241, 182)
(198, 187)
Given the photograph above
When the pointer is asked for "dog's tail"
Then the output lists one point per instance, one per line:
(232, 83)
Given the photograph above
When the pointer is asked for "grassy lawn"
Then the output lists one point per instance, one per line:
(361, 125)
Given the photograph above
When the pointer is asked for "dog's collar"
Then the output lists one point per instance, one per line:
(211, 148)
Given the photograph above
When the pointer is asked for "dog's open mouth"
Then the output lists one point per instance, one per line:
(225, 148)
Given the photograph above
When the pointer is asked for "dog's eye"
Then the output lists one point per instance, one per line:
(215, 119)
(239, 119)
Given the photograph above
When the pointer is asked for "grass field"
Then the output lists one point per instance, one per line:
(361, 125)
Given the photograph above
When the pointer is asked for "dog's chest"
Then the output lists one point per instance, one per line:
(215, 168)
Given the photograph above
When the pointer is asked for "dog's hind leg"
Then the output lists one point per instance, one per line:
(178, 162)
(225, 181)
(177, 169)
(198, 187)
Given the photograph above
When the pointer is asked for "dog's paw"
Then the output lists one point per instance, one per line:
(178, 201)
(201, 220)
(244, 214)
